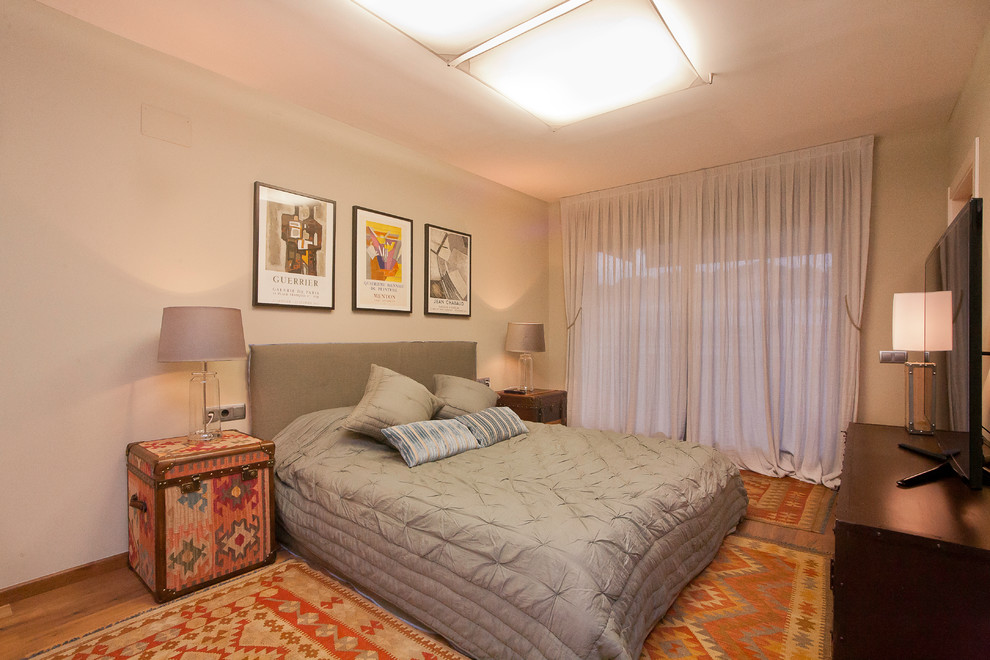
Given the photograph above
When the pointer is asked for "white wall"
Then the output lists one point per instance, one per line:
(911, 174)
(908, 216)
(970, 120)
(102, 227)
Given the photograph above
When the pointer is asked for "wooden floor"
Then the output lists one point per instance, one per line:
(112, 592)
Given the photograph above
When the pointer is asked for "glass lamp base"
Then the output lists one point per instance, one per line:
(919, 405)
(204, 407)
(526, 372)
(196, 438)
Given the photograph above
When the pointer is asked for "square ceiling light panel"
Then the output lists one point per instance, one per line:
(604, 55)
(453, 27)
(562, 62)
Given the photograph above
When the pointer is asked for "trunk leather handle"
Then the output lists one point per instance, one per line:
(140, 505)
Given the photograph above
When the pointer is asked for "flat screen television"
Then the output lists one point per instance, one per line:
(955, 264)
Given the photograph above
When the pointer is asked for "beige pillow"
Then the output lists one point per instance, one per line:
(390, 399)
(461, 396)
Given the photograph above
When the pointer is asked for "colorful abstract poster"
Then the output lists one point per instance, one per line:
(294, 238)
(448, 272)
(382, 261)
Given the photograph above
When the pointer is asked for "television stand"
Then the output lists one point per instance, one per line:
(912, 565)
(943, 470)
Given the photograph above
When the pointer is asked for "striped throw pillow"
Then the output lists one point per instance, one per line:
(422, 442)
(493, 425)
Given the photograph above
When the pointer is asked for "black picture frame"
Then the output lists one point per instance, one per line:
(295, 239)
(382, 261)
(447, 276)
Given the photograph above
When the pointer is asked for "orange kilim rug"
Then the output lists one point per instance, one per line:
(755, 600)
(788, 502)
(286, 610)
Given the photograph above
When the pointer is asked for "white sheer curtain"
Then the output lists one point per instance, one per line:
(720, 306)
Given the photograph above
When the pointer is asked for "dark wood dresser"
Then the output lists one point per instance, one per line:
(547, 406)
(911, 574)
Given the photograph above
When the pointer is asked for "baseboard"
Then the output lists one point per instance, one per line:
(62, 578)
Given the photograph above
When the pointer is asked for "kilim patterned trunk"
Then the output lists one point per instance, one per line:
(199, 513)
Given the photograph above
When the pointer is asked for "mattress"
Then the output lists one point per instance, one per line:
(557, 543)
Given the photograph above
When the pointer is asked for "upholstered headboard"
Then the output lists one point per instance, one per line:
(288, 380)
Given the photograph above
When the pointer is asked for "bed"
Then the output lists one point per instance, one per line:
(556, 543)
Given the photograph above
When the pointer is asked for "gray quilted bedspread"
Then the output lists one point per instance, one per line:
(559, 543)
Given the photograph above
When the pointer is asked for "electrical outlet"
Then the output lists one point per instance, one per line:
(893, 357)
(229, 412)
(485, 380)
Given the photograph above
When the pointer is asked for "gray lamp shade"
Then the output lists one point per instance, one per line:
(201, 334)
(525, 338)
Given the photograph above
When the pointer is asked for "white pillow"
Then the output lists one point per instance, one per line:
(390, 399)
(461, 396)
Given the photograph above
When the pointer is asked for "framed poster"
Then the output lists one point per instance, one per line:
(382, 261)
(294, 240)
(448, 272)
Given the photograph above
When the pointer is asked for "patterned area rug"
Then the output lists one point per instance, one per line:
(788, 502)
(755, 600)
(286, 610)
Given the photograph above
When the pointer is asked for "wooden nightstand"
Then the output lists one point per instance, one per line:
(199, 513)
(546, 406)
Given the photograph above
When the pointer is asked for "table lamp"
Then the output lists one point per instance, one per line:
(202, 334)
(921, 322)
(525, 339)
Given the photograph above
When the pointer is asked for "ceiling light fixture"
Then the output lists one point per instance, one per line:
(562, 62)
(518, 30)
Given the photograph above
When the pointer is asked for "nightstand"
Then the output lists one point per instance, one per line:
(199, 513)
(546, 406)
